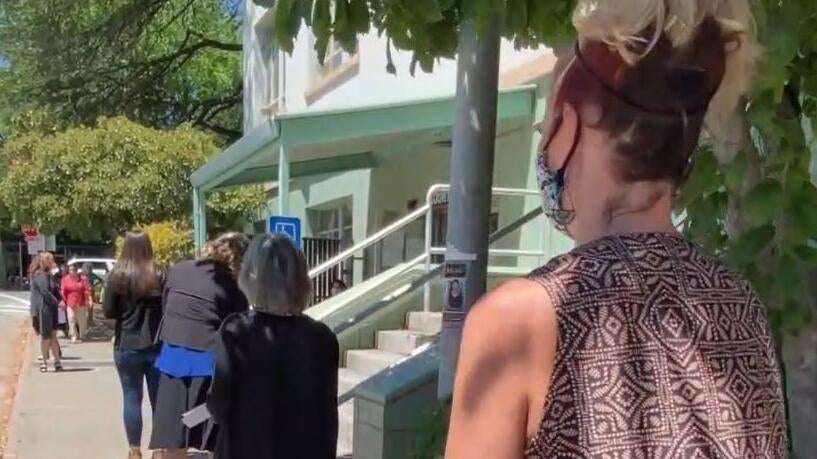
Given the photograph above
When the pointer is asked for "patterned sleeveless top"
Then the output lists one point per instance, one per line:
(662, 352)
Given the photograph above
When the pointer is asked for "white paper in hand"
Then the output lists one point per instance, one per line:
(196, 416)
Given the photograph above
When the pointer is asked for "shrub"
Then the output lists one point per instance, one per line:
(172, 241)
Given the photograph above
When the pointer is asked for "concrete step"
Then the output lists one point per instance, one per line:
(401, 341)
(367, 362)
(425, 322)
(347, 379)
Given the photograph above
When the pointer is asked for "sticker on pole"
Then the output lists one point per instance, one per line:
(455, 278)
(291, 226)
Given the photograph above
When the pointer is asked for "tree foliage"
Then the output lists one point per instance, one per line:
(159, 62)
(105, 179)
(427, 28)
(172, 241)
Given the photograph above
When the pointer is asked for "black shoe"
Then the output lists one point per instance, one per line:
(58, 367)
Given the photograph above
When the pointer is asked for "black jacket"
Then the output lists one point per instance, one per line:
(198, 296)
(275, 389)
(137, 318)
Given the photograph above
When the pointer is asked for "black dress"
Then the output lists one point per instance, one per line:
(274, 393)
(198, 296)
(44, 303)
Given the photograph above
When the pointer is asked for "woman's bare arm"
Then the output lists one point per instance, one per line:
(506, 358)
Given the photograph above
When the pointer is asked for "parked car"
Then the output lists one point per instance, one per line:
(100, 266)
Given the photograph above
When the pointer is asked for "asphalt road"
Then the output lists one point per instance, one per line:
(14, 302)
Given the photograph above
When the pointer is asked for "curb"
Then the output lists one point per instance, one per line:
(23, 361)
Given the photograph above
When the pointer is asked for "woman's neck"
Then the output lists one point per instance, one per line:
(655, 218)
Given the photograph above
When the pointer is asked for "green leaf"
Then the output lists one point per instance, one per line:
(788, 276)
(745, 249)
(764, 202)
(283, 24)
(702, 181)
(801, 217)
(516, 17)
(734, 173)
(806, 254)
(359, 15)
(427, 11)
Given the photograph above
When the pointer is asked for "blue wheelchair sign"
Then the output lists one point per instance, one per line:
(291, 226)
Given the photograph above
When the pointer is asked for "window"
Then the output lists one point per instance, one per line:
(335, 57)
(334, 223)
(338, 67)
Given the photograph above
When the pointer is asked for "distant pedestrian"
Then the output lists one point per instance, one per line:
(338, 287)
(198, 296)
(95, 284)
(133, 299)
(59, 272)
(45, 304)
(76, 295)
(274, 392)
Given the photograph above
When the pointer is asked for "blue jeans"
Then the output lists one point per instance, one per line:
(135, 367)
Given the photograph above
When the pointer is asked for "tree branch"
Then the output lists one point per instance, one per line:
(231, 134)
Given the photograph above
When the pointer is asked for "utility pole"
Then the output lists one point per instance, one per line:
(472, 169)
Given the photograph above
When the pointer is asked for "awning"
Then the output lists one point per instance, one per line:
(342, 139)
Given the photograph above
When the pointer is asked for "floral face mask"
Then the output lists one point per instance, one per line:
(552, 182)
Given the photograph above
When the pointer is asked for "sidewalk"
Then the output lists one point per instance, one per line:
(76, 414)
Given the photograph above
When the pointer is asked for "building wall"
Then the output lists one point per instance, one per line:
(368, 84)
(309, 193)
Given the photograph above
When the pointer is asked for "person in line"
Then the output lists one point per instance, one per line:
(274, 392)
(75, 292)
(59, 273)
(95, 284)
(45, 303)
(198, 296)
(133, 298)
(338, 287)
(630, 344)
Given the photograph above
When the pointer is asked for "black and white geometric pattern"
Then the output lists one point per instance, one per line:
(662, 352)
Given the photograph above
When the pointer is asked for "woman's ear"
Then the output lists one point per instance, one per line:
(563, 140)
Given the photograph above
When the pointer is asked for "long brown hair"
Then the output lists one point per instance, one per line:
(134, 273)
(42, 262)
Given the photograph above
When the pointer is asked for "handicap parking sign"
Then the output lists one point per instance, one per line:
(291, 226)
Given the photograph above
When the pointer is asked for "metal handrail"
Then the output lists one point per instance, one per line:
(405, 221)
(368, 242)
(429, 224)
(423, 281)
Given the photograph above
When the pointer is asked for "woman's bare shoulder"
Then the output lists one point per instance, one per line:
(519, 309)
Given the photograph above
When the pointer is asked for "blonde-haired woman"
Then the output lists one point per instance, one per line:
(636, 343)
(45, 301)
(198, 296)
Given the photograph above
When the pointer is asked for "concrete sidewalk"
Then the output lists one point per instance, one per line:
(76, 414)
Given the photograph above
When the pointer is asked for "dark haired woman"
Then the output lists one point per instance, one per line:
(337, 287)
(636, 343)
(45, 304)
(198, 296)
(275, 388)
(133, 299)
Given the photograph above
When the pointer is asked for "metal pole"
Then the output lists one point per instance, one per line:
(472, 167)
(199, 219)
(283, 181)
